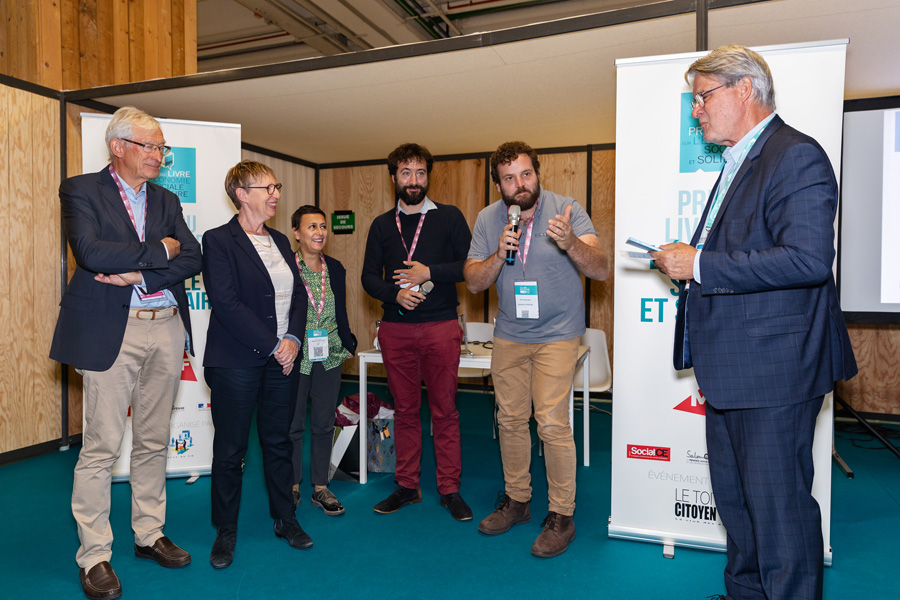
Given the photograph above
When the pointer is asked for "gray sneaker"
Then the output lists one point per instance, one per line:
(325, 500)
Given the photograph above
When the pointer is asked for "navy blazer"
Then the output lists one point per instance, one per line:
(337, 276)
(242, 323)
(93, 315)
(764, 326)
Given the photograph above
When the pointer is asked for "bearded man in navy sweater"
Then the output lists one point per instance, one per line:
(415, 242)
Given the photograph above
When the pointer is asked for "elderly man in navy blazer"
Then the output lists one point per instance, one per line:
(124, 323)
(759, 320)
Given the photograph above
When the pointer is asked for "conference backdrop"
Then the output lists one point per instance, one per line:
(195, 171)
(664, 172)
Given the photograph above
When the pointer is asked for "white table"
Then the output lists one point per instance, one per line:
(480, 359)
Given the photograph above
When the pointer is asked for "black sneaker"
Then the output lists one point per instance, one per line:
(296, 498)
(326, 500)
(293, 533)
(398, 499)
(458, 508)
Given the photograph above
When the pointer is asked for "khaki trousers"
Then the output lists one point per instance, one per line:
(145, 375)
(538, 376)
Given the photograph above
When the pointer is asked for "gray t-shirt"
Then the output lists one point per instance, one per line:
(560, 293)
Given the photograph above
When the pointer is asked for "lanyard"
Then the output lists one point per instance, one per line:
(409, 252)
(128, 209)
(723, 189)
(321, 306)
(523, 254)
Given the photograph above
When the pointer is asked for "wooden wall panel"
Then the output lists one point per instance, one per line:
(876, 389)
(178, 37)
(189, 42)
(603, 215)
(7, 323)
(5, 39)
(89, 43)
(461, 183)
(72, 44)
(120, 40)
(29, 275)
(45, 230)
(164, 38)
(49, 59)
(21, 272)
(73, 167)
(150, 41)
(368, 192)
(106, 51)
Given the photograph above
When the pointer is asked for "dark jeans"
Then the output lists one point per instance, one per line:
(321, 389)
(235, 393)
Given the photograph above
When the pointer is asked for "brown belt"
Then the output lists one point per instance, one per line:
(151, 314)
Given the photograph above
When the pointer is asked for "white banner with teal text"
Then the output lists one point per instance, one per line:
(664, 172)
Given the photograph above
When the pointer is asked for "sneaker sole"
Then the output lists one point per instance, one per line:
(330, 513)
(499, 531)
(549, 555)
(389, 512)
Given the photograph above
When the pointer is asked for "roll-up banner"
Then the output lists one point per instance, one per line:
(664, 172)
(195, 171)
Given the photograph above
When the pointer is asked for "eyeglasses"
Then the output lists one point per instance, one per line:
(700, 98)
(269, 188)
(149, 148)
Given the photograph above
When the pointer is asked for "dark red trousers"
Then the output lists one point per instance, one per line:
(414, 352)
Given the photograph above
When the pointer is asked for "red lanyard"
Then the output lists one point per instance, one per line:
(321, 306)
(409, 253)
(115, 177)
(523, 254)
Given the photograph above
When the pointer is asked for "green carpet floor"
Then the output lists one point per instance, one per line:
(420, 552)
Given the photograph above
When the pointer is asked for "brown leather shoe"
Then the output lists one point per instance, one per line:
(558, 531)
(509, 512)
(101, 582)
(164, 552)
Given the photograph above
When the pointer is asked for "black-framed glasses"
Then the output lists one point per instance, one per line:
(700, 97)
(269, 188)
(149, 148)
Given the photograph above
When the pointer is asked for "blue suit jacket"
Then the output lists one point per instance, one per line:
(243, 324)
(764, 326)
(92, 315)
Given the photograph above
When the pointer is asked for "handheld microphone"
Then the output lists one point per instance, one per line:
(424, 289)
(515, 215)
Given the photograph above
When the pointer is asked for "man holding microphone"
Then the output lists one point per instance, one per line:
(537, 267)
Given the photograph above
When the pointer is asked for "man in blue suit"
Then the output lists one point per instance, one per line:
(759, 320)
(124, 324)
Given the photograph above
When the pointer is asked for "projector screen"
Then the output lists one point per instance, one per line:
(870, 211)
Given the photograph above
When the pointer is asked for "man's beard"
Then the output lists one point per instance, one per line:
(527, 202)
(411, 198)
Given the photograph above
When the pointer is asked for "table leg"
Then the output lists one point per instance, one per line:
(586, 407)
(363, 423)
